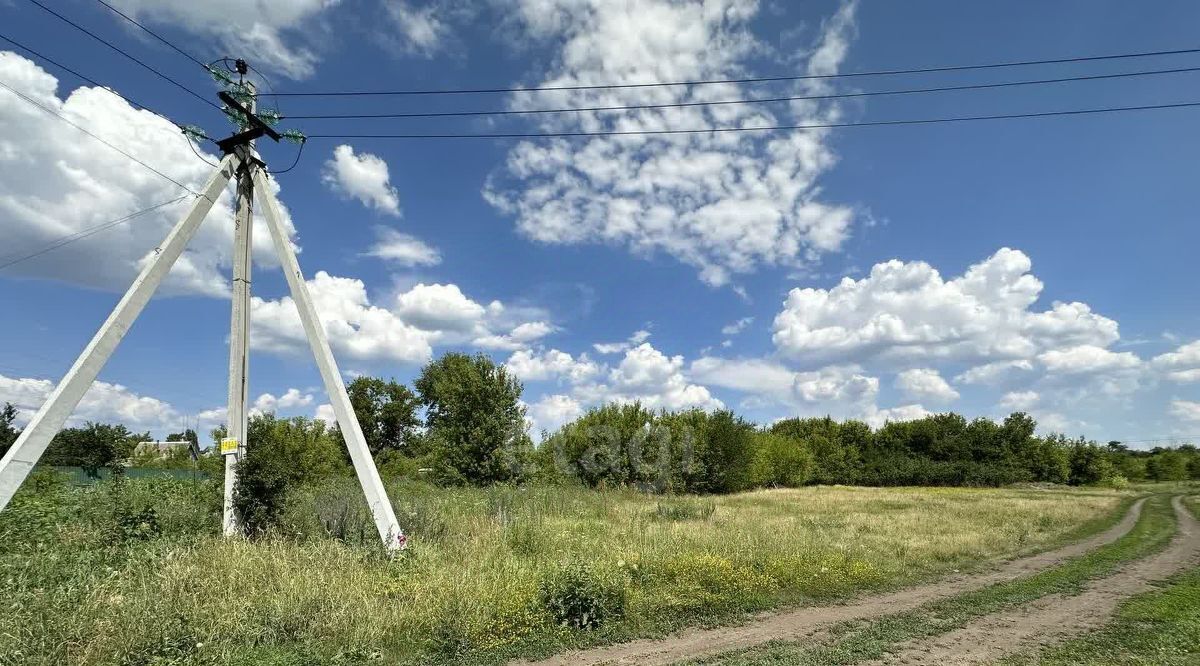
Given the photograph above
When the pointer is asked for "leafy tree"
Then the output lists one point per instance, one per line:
(1167, 465)
(836, 457)
(474, 418)
(608, 444)
(726, 453)
(93, 447)
(280, 455)
(1089, 464)
(387, 412)
(8, 434)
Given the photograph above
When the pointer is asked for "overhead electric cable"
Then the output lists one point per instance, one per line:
(91, 231)
(764, 100)
(88, 79)
(151, 32)
(299, 152)
(127, 55)
(769, 128)
(763, 79)
(68, 121)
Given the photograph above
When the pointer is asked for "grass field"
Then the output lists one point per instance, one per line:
(136, 574)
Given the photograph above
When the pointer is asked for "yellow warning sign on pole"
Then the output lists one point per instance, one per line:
(229, 445)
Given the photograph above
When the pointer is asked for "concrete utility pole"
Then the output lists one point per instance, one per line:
(237, 419)
(24, 454)
(240, 161)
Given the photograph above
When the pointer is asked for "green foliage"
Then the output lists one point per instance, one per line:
(583, 597)
(1089, 465)
(93, 447)
(726, 453)
(834, 460)
(697, 451)
(1167, 466)
(605, 446)
(779, 461)
(282, 454)
(387, 413)
(475, 420)
(8, 434)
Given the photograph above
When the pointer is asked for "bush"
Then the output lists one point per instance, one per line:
(605, 445)
(281, 454)
(779, 461)
(582, 597)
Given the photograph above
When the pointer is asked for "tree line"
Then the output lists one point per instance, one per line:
(463, 423)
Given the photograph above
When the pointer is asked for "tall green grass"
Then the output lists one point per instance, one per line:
(137, 574)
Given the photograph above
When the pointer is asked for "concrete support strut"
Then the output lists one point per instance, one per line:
(25, 452)
(364, 465)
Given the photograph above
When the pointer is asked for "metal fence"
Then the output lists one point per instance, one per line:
(79, 477)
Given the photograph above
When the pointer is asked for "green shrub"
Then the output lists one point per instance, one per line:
(779, 461)
(282, 454)
(582, 597)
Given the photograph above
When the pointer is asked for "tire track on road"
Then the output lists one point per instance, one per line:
(1055, 617)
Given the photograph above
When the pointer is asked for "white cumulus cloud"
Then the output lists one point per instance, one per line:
(291, 399)
(1021, 401)
(1088, 359)
(103, 402)
(637, 338)
(1181, 365)
(403, 249)
(552, 412)
(737, 326)
(723, 203)
(993, 373)
(925, 384)
(907, 310)
(363, 177)
(420, 318)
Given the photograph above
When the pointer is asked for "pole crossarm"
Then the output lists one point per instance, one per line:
(29, 447)
(360, 455)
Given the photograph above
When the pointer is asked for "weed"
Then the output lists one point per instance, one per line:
(684, 510)
(583, 597)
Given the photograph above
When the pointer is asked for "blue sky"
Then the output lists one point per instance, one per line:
(876, 273)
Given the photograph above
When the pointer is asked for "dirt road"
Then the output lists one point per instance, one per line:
(809, 621)
(1056, 617)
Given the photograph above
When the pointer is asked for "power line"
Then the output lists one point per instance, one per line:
(771, 128)
(765, 100)
(764, 79)
(91, 231)
(68, 121)
(127, 55)
(1180, 438)
(88, 79)
(151, 32)
(299, 152)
